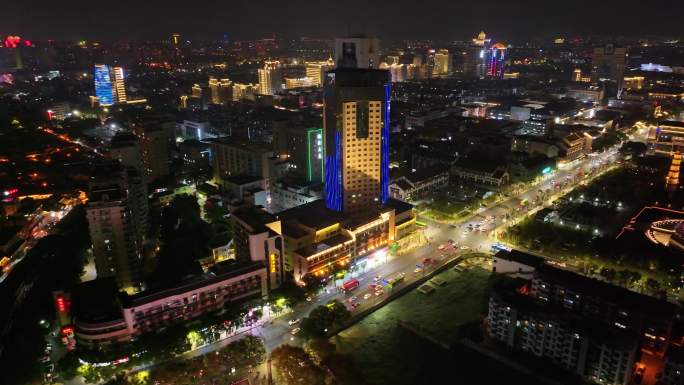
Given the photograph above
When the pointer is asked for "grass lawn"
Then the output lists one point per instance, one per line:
(388, 354)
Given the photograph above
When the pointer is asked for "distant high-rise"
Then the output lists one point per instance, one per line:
(357, 52)
(103, 85)
(118, 84)
(113, 226)
(356, 139)
(475, 64)
(608, 63)
(196, 91)
(125, 147)
(270, 78)
(496, 55)
(110, 85)
(221, 90)
(315, 71)
(484, 59)
(481, 40)
(154, 144)
(442, 63)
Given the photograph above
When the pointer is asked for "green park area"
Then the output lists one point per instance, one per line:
(455, 203)
(386, 353)
(606, 204)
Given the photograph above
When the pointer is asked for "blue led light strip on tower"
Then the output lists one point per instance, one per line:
(385, 148)
(333, 176)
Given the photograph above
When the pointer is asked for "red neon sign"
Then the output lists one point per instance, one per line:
(61, 305)
(12, 41)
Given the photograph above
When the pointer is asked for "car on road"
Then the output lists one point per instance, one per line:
(379, 293)
(464, 247)
(377, 278)
(353, 299)
(309, 299)
(417, 270)
(293, 321)
(367, 295)
(355, 305)
(295, 331)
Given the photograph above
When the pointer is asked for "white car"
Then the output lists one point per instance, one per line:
(367, 295)
(464, 247)
(417, 270)
(295, 331)
(293, 321)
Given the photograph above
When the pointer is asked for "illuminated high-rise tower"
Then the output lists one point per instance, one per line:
(495, 60)
(270, 78)
(110, 85)
(118, 84)
(103, 85)
(356, 139)
(316, 71)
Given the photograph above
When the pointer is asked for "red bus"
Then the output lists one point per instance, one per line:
(350, 285)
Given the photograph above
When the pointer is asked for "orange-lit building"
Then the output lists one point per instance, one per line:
(320, 241)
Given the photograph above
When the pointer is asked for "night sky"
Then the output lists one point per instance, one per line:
(442, 19)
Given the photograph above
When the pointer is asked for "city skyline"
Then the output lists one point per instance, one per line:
(453, 20)
(343, 193)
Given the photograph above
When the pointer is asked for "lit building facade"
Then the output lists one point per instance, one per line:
(496, 60)
(667, 138)
(297, 82)
(320, 241)
(270, 78)
(113, 228)
(103, 85)
(118, 84)
(221, 90)
(475, 64)
(356, 139)
(258, 238)
(110, 85)
(442, 63)
(130, 316)
(590, 327)
(315, 71)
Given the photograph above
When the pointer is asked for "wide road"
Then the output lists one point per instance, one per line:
(473, 233)
(465, 234)
(40, 224)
